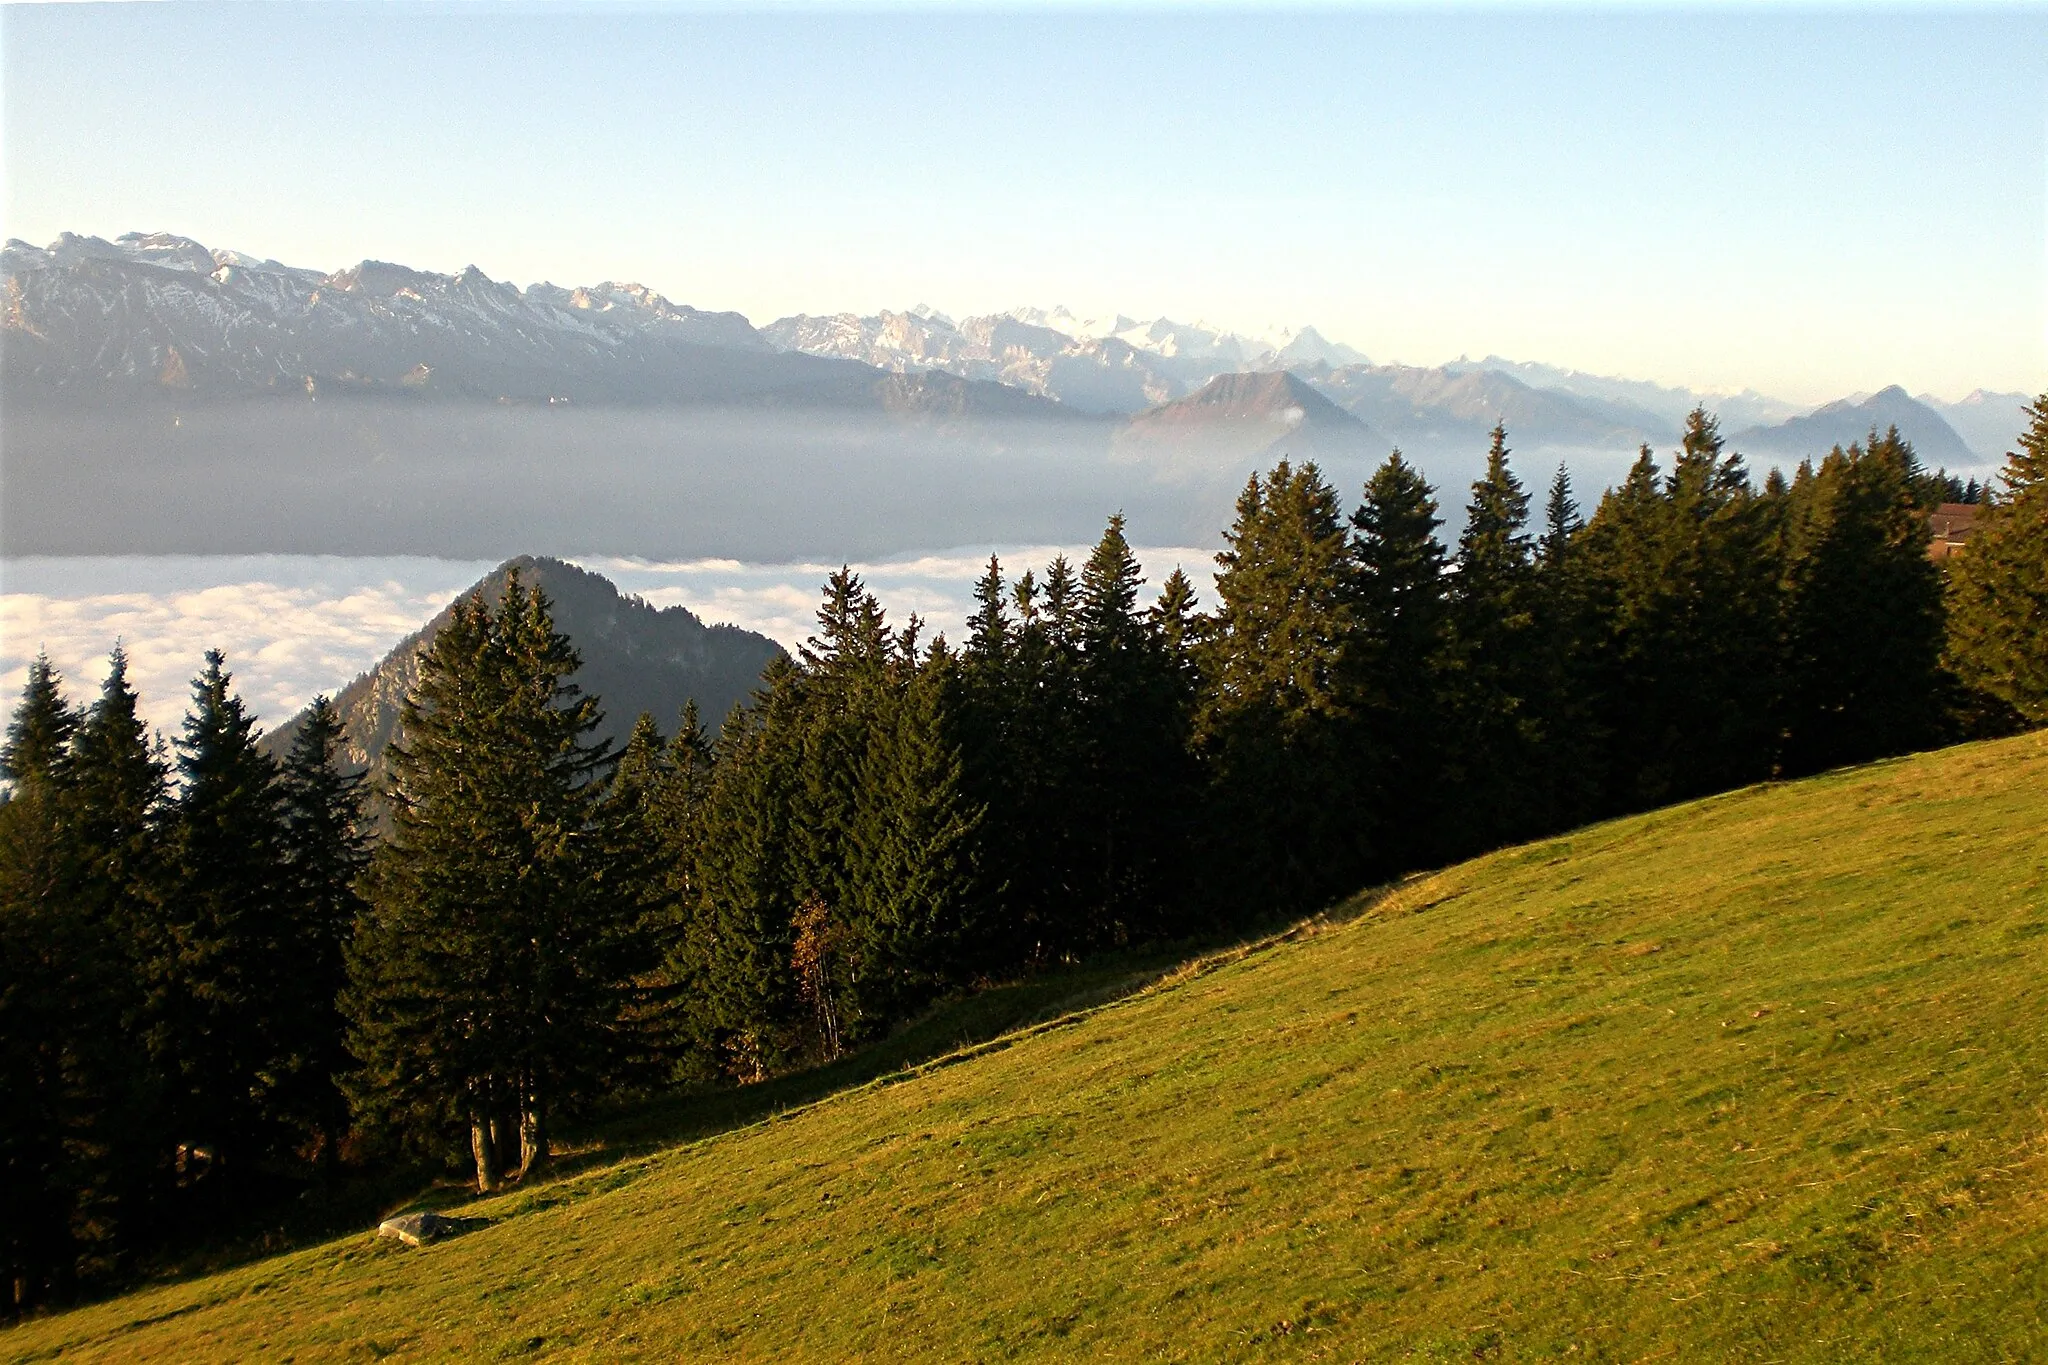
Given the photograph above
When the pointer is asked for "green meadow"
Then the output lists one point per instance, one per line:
(1759, 1078)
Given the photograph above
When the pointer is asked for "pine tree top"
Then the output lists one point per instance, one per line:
(39, 736)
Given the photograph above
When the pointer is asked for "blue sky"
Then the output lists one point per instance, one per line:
(1805, 203)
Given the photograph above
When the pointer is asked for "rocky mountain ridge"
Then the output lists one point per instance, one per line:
(158, 315)
(154, 314)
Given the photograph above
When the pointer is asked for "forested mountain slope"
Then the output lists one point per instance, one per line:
(1759, 1077)
(636, 657)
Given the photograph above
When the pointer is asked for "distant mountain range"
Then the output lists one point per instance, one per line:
(1116, 367)
(155, 313)
(1988, 422)
(1851, 420)
(164, 397)
(158, 312)
(636, 657)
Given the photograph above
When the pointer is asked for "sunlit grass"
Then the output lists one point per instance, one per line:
(1764, 1077)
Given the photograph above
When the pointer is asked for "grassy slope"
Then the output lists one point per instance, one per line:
(1763, 1077)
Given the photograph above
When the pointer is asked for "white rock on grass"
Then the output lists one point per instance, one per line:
(417, 1229)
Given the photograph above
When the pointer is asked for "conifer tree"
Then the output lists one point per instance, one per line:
(734, 963)
(989, 628)
(1998, 614)
(836, 699)
(39, 735)
(117, 778)
(1005, 761)
(66, 1065)
(913, 876)
(1861, 677)
(1494, 752)
(1176, 617)
(223, 974)
(635, 876)
(1570, 781)
(1059, 595)
(1131, 803)
(491, 984)
(113, 800)
(1037, 856)
(326, 852)
(1681, 575)
(1282, 665)
(1561, 521)
(1404, 629)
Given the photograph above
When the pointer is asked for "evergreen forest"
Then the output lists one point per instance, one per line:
(226, 978)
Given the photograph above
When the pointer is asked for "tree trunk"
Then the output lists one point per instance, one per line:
(483, 1145)
(504, 1137)
(533, 1137)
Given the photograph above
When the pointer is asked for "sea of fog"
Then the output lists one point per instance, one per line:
(293, 626)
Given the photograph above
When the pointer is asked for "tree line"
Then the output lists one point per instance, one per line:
(211, 976)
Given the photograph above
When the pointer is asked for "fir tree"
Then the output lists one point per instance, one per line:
(1495, 749)
(326, 851)
(1561, 522)
(734, 963)
(1567, 789)
(68, 1149)
(989, 628)
(1681, 576)
(1176, 616)
(117, 778)
(1861, 677)
(913, 874)
(1998, 614)
(1404, 628)
(39, 735)
(223, 975)
(113, 801)
(1132, 801)
(491, 983)
(1281, 666)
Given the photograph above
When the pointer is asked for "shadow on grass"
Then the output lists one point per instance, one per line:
(955, 1030)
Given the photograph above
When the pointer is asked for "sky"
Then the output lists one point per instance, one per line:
(1808, 203)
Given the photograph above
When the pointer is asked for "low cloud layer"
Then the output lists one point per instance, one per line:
(296, 625)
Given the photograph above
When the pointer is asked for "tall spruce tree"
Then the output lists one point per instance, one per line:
(223, 978)
(1404, 629)
(491, 985)
(1131, 804)
(1495, 749)
(1680, 572)
(913, 865)
(1282, 662)
(118, 780)
(67, 1067)
(1863, 613)
(734, 961)
(1568, 787)
(115, 792)
(39, 734)
(326, 851)
(1998, 595)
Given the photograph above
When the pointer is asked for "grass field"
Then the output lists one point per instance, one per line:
(1764, 1077)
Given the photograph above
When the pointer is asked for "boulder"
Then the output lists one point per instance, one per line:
(417, 1229)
